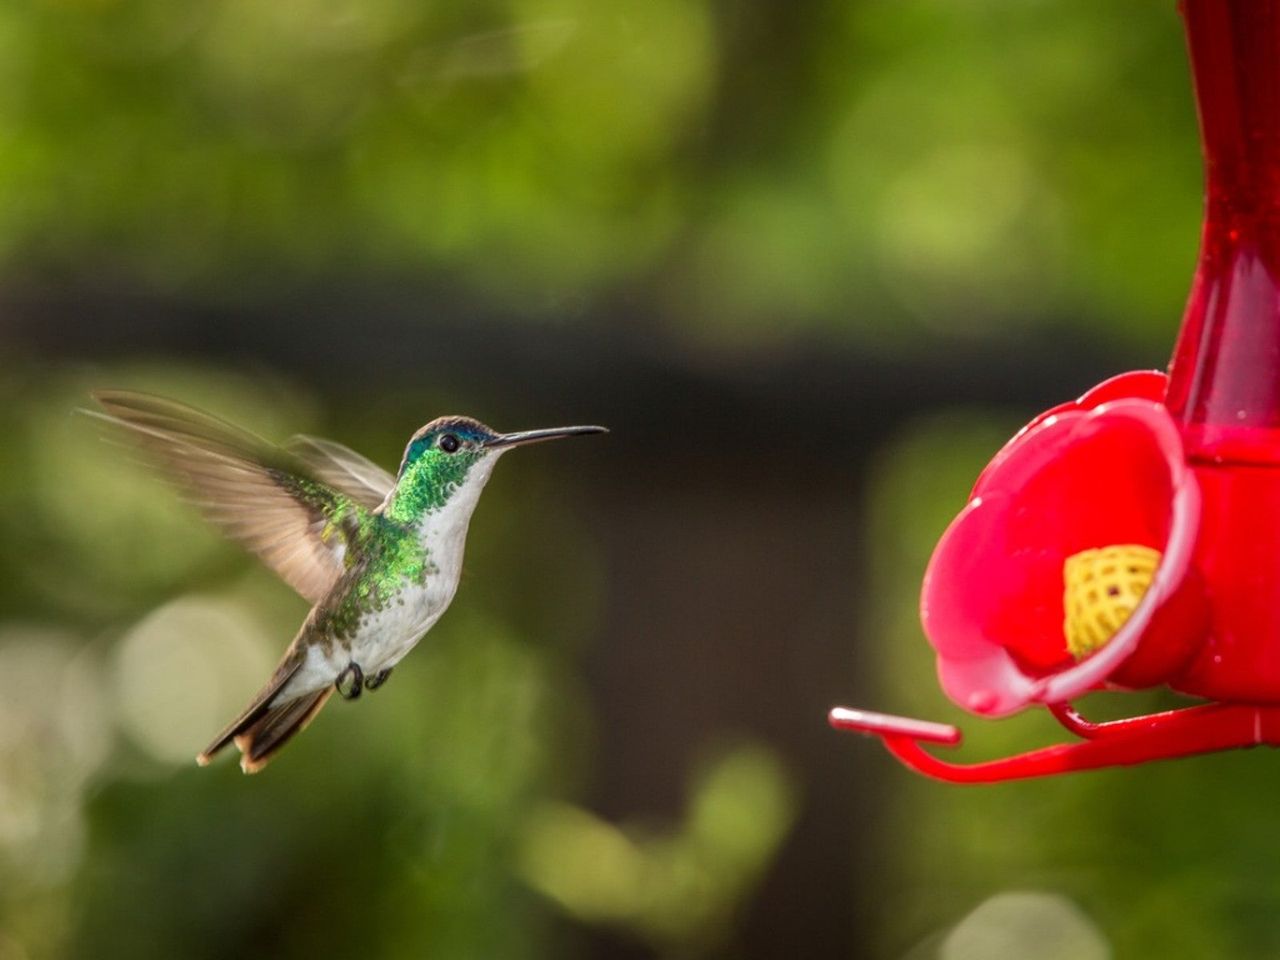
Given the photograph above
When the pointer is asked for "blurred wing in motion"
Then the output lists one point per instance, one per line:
(267, 498)
(343, 469)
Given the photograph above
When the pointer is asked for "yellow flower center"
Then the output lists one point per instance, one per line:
(1103, 588)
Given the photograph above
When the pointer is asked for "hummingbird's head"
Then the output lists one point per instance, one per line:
(448, 462)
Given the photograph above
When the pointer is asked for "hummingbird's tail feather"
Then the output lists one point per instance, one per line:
(259, 742)
(264, 725)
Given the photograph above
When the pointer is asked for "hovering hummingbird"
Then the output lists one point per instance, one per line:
(377, 556)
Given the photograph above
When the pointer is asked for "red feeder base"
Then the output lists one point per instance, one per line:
(1159, 736)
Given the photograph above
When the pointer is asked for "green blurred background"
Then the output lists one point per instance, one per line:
(812, 263)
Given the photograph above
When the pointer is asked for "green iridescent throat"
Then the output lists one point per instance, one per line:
(427, 481)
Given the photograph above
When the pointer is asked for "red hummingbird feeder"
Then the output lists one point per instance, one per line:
(1131, 538)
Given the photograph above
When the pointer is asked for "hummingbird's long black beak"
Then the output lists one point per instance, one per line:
(522, 437)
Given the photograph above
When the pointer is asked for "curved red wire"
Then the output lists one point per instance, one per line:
(1159, 736)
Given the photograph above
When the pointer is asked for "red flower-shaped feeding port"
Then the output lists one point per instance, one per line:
(1132, 537)
(1069, 567)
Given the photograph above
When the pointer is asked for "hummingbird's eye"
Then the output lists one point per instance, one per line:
(449, 443)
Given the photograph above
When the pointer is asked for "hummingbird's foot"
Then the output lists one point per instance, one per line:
(378, 679)
(350, 682)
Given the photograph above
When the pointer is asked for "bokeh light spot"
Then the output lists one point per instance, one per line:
(184, 671)
(1026, 925)
(54, 735)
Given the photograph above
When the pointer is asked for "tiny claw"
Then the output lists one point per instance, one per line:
(350, 682)
(378, 679)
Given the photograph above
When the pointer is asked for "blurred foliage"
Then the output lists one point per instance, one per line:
(679, 889)
(876, 170)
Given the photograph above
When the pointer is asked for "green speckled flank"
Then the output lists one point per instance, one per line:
(381, 556)
(386, 553)
(392, 559)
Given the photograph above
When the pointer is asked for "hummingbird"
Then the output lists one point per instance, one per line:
(377, 556)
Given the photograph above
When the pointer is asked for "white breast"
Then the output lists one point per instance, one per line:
(394, 631)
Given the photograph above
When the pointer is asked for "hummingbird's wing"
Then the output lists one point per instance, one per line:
(257, 493)
(343, 469)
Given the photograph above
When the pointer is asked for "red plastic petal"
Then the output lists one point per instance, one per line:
(992, 602)
(1133, 385)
